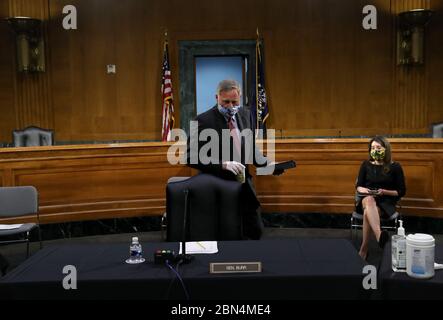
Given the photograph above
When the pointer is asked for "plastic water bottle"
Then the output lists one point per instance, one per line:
(135, 252)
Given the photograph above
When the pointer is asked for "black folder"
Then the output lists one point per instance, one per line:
(277, 167)
(285, 165)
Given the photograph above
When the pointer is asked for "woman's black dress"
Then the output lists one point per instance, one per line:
(374, 176)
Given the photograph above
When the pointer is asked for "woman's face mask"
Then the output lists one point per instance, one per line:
(378, 154)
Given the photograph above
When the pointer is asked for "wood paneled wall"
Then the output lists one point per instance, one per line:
(326, 76)
(92, 181)
(112, 181)
(30, 96)
(410, 83)
(7, 109)
(326, 171)
(434, 48)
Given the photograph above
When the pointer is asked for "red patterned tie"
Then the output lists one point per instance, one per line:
(234, 134)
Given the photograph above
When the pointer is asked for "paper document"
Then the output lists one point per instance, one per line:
(10, 226)
(200, 247)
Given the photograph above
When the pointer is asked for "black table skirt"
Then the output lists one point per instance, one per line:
(396, 285)
(292, 269)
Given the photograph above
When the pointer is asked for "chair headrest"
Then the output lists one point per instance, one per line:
(33, 136)
(437, 130)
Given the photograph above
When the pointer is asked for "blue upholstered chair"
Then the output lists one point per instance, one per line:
(437, 130)
(33, 136)
(18, 202)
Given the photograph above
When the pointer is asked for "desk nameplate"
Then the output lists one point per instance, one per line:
(234, 267)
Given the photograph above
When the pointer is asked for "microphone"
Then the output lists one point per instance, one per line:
(183, 257)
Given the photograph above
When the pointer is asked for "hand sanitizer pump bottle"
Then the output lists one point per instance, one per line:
(399, 249)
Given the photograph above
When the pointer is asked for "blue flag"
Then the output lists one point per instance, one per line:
(259, 109)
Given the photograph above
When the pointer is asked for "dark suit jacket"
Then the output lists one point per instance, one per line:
(213, 119)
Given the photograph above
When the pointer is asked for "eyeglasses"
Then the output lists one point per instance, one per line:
(230, 101)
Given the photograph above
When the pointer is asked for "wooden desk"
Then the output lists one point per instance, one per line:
(86, 182)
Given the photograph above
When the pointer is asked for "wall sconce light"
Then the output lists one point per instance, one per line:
(410, 36)
(30, 44)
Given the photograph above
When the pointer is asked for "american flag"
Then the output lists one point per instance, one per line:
(260, 105)
(168, 103)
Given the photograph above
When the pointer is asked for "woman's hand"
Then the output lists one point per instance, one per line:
(363, 190)
(384, 192)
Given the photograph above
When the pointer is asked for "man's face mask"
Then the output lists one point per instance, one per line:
(378, 154)
(229, 112)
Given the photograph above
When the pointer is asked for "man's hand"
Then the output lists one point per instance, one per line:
(276, 172)
(233, 166)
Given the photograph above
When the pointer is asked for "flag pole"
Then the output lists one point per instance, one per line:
(257, 57)
(166, 89)
(165, 44)
(165, 40)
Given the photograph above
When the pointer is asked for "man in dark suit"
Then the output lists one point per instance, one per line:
(228, 122)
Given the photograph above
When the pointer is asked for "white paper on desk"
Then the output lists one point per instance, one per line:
(200, 247)
(10, 226)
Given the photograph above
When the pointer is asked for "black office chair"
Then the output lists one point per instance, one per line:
(33, 136)
(164, 220)
(386, 223)
(214, 209)
(19, 202)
